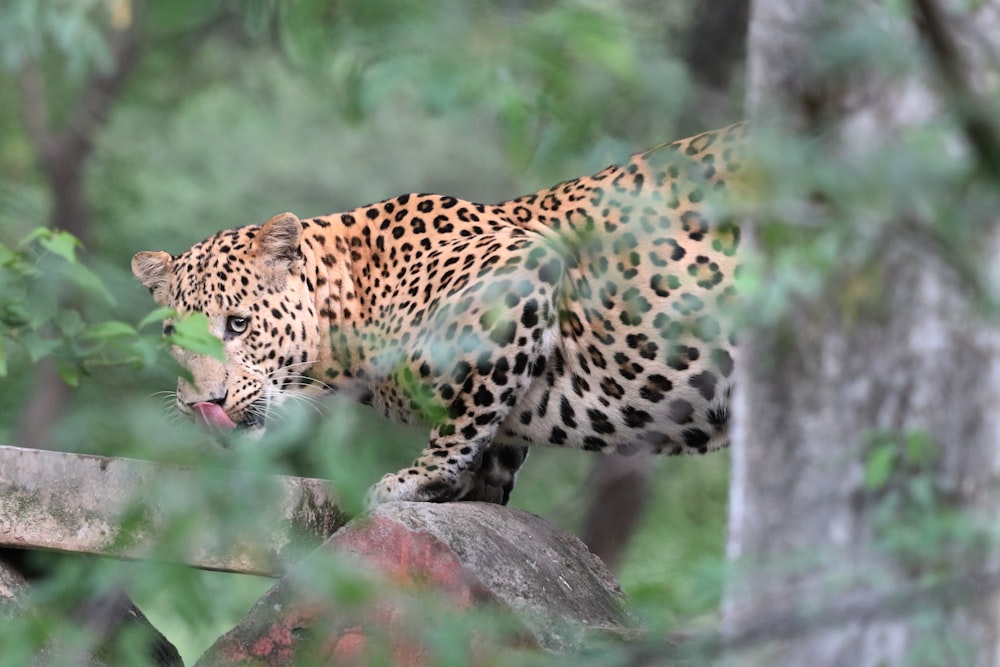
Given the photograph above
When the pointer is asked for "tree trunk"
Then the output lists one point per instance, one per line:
(618, 490)
(841, 398)
(714, 52)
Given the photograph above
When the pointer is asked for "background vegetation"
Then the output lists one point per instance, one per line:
(230, 112)
(864, 477)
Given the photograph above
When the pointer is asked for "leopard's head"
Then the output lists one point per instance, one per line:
(250, 283)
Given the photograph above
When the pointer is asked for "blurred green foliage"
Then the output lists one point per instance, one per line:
(241, 110)
(33, 323)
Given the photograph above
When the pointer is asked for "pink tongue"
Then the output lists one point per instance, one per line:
(213, 416)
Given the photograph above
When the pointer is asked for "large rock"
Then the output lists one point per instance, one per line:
(477, 555)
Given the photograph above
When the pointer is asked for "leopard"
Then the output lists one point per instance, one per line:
(595, 314)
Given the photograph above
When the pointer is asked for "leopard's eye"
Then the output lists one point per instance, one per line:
(236, 325)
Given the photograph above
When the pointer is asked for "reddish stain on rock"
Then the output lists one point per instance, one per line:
(471, 555)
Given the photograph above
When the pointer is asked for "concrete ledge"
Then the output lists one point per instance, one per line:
(78, 503)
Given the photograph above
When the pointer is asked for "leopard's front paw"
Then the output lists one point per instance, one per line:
(418, 485)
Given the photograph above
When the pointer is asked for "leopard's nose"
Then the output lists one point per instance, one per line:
(201, 392)
(219, 401)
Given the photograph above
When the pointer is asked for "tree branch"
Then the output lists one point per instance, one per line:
(99, 94)
(977, 125)
(65, 148)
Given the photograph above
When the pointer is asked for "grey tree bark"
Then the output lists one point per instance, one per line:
(840, 393)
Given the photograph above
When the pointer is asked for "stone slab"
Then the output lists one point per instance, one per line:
(76, 503)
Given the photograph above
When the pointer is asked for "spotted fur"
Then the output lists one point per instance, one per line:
(585, 315)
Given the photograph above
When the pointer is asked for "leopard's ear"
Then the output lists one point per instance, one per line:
(153, 270)
(278, 242)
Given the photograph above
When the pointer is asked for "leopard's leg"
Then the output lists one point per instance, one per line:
(508, 328)
(462, 461)
(452, 468)
(495, 478)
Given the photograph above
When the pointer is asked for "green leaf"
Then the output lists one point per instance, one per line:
(191, 332)
(69, 322)
(13, 315)
(157, 316)
(3, 358)
(879, 466)
(110, 329)
(38, 347)
(34, 235)
(86, 279)
(60, 243)
(69, 373)
(147, 350)
(64, 245)
(7, 256)
(921, 448)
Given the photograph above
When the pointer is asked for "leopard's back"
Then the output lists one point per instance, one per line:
(645, 353)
